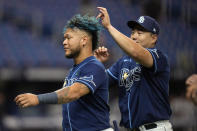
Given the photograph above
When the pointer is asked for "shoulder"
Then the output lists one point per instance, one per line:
(157, 53)
(94, 65)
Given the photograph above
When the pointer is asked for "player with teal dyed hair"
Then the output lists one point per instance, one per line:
(89, 24)
(84, 95)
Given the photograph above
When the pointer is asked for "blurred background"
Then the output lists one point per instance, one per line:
(32, 56)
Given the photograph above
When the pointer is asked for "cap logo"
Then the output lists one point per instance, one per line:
(154, 29)
(141, 19)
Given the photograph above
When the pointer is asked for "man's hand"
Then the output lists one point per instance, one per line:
(192, 80)
(191, 93)
(191, 83)
(101, 54)
(26, 100)
(103, 14)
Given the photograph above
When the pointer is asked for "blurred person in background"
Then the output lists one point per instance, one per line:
(191, 83)
(84, 95)
(142, 75)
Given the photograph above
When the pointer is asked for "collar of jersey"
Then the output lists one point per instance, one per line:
(76, 67)
(84, 61)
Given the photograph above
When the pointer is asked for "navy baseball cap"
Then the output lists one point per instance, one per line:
(147, 22)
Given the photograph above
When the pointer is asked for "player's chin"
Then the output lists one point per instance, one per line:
(68, 55)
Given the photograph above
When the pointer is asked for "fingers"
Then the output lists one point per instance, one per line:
(191, 80)
(19, 98)
(23, 103)
(102, 49)
(99, 15)
(102, 8)
(101, 54)
(22, 100)
(191, 93)
(103, 12)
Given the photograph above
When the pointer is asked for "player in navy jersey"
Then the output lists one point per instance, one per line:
(85, 91)
(142, 75)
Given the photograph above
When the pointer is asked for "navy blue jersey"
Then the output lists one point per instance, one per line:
(143, 92)
(90, 112)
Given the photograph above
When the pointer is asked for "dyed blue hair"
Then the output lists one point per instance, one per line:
(87, 23)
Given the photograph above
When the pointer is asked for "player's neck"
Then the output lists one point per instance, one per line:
(81, 58)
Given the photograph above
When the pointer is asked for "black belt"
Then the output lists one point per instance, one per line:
(146, 126)
(135, 129)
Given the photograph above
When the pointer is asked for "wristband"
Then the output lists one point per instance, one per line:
(48, 98)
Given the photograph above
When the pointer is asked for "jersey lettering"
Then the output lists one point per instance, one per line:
(128, 77)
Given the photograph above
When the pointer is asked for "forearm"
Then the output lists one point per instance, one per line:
(134, 50)
(123, 41)
(58, 97)
(64, 95)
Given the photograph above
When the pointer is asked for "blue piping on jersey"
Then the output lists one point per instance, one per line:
(112, 74)
(71, 78)
(129, 111)
(85, 84)
(69, 116)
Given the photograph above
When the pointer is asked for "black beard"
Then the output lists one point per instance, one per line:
(73, 55)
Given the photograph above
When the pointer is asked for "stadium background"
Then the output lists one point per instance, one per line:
(32, 56)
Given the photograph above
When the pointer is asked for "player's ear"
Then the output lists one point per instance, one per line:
(84, 40)
(154, 38)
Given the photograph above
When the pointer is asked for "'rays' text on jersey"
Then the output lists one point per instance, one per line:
(128, 77)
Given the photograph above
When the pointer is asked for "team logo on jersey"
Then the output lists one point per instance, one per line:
(128, 77)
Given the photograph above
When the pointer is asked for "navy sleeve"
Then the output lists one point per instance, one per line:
(92, 75)
(113, 72)
(160, 61)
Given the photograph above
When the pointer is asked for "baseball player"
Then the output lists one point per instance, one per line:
(142, 75)
(85, 91)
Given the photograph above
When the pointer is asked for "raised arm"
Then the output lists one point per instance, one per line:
(129, 46)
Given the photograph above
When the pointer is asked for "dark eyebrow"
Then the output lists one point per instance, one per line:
(66, 35)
